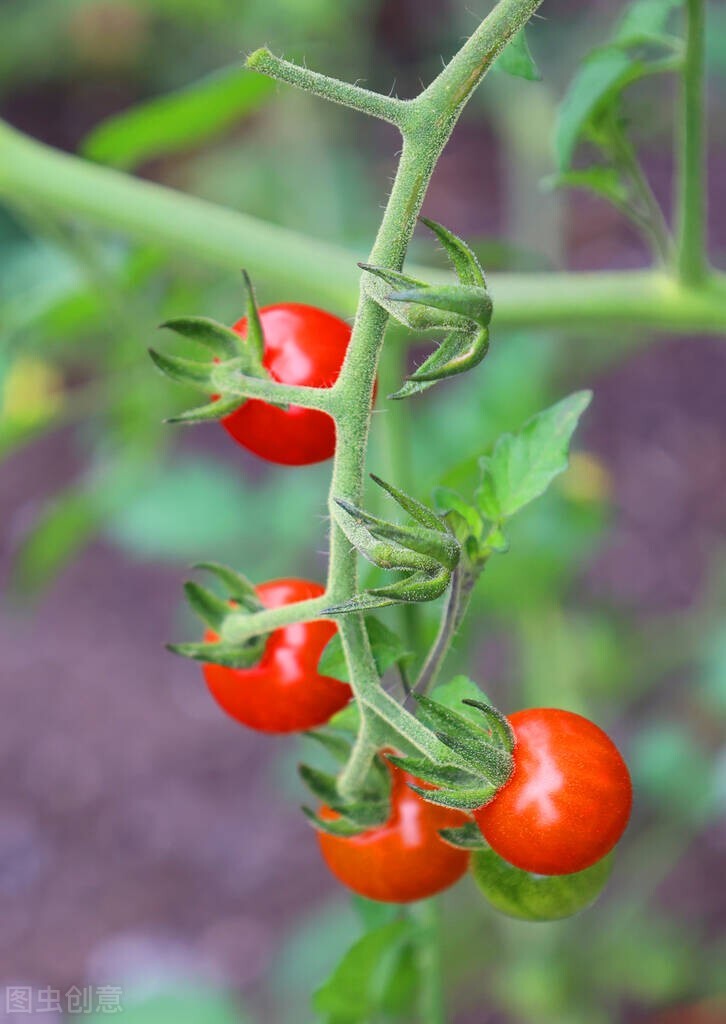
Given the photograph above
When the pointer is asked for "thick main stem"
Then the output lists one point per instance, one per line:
(431, 120)
(692, 260)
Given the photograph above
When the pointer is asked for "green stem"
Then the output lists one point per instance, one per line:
(692, 189)
(387, 108)
(194, 228)
(431, 1007)
(462, 587)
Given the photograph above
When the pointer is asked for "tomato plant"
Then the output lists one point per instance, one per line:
(303, 345)
(283, 692)
(404, 859)
(568, 800)
(546, 789)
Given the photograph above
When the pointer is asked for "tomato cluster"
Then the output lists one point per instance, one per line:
(548, 829)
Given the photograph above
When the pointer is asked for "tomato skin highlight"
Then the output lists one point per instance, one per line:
(529, 897)
(568, 800)
(306, 346)
(404, 859)
(283, 692)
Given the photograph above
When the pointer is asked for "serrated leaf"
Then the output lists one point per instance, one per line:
(517, 60)
(360, 989)
(523, 465)
(174, 122)
(387, 648)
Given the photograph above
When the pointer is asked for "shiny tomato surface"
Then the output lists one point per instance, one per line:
(303, 345)
(403, 860)
(284, 691)
(568, 800)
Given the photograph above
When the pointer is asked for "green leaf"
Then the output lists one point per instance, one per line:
(523, 465)
(596, 80)
(388, 650)
(377, 975)
(645, 19)
(517, 60)
(452, 695)
(169, 124)
(604, 181)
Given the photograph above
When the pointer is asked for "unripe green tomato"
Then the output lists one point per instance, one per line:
(537, 897)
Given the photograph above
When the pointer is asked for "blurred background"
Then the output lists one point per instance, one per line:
(148, 842)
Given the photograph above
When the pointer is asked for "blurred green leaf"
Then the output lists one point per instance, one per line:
(645, 19)
(523, 465)
(377, 975)
(674, 770)
(452, 694)
(169, 124)
(517, 60)
(200, 509)
(603, 181)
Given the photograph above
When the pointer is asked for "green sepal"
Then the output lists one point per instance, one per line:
(207, 605)
(235, 360)
(240, 589)
(340, 827)
(229, 655)
(428, 551)
(497, 722)
(458, 799)
(372, 809)
(427, 771)
(416, 509)
(441, 547)
(185, 371)
(465, 837)
(206, 413)
(464, 309)
(483, 753)
(221, 340)
(462, 258)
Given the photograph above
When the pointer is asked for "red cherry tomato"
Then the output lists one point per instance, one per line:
(303, 345)
(403, 860)
(283, 692)
(568, 800)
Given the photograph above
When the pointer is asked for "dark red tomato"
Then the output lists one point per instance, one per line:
(403, 860)
(303, 345)
(283, 692)
(568, 800)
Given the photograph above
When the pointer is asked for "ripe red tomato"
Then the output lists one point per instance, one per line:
(283, 692)
(303, 345)
(568, 800)
(403, 860)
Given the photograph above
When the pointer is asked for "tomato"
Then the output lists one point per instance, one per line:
(568, 800)
(532, 897)
(303, 345)
(404, 859)
(283, 692)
